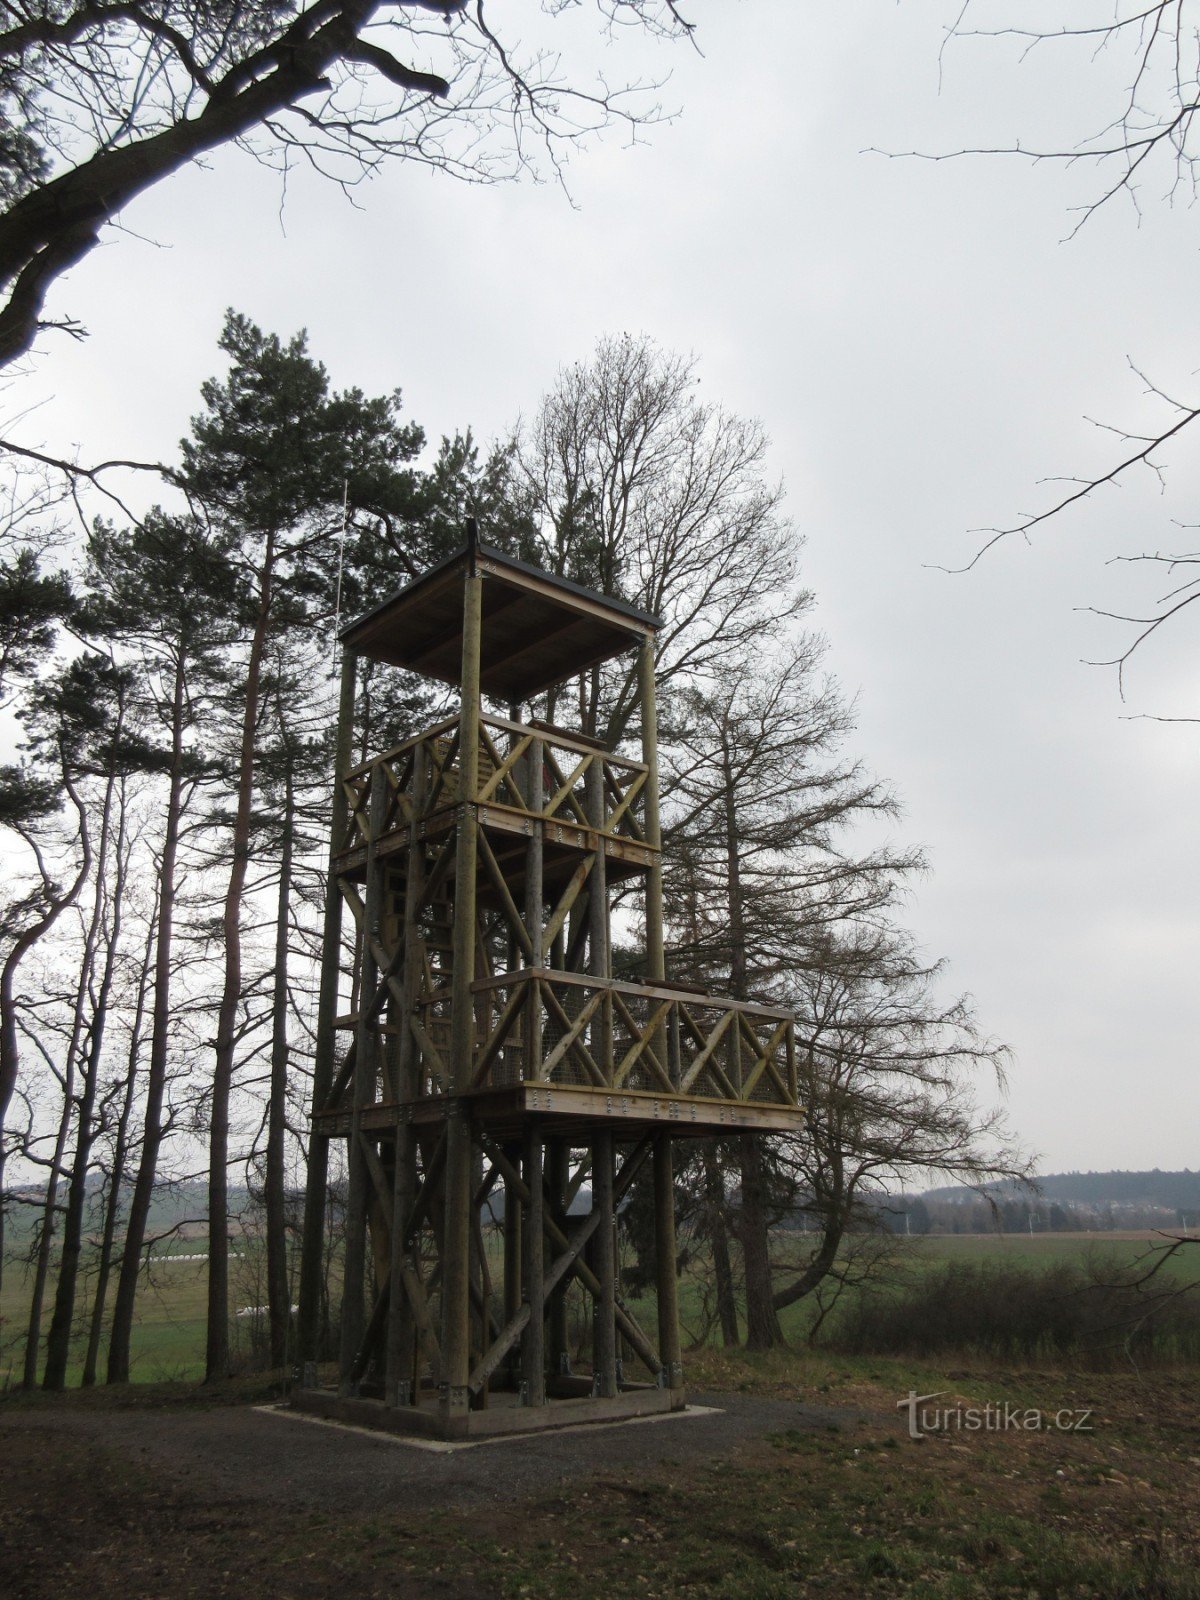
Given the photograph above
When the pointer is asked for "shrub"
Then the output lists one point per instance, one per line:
(1099, 1312)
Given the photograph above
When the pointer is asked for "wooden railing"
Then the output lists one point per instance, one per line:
(542, 1026)
(534, 772)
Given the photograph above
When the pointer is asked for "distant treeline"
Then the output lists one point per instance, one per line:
(974, 1215)
(175, 1208)
(1096, 1206)
(1175, 1191)
(1060, 1203)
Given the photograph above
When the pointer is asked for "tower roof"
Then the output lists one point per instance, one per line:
(537, 628)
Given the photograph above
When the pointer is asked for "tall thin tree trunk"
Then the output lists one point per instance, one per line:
(762, 1324)
(160, 1038)
(718, 1238)
(45, 1244)
(216, 1354)
(71, 1065)
(58, 1340)
(279, 1298)
(112, 1206)
(10, 1047)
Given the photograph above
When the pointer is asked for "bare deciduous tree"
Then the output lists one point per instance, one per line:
(642, 490)
(889, 1087)
(100, 101)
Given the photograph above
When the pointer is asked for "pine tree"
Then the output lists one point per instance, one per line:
(76, 724)
(34, 603)
(761, 803)
(117, 752)
(275, 459)
(165, 589)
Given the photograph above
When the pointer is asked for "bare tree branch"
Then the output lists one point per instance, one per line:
(107, 100)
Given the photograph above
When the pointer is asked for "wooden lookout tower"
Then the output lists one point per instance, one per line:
(479, 1056)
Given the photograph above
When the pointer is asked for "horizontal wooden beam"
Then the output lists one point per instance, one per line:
(574, 1106)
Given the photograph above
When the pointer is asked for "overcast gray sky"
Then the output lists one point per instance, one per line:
(923, 347)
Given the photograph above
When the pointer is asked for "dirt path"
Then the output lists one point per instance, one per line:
(180, 1502)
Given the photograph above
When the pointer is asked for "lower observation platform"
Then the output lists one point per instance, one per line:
(556, 1106)
(509, 831)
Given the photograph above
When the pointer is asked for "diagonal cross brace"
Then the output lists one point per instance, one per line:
(569, 1260)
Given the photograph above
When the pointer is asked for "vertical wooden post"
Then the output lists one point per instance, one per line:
(312, 1253)
(604, 1260)
(512, 1242)
(520, 777)
(664, 1241)
(655, 963)
(664, 1177)
(558, 1175)
(401, 1335)
(535, 909)
(456, 1237)
(366, 1066)
(598, 878)
(479, 1308)
(599, 957)
(533, 1345)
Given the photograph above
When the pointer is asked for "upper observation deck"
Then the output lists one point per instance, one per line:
(585, 798)
(536, 629)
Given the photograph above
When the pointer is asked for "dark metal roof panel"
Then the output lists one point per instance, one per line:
(537, 628)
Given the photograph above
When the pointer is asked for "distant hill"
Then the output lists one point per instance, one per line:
(1171, 1191)
(181, 1206)
(1060, 1202)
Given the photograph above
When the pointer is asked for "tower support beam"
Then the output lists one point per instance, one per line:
(456, 1235)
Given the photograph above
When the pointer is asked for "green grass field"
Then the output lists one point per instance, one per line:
(168, 1341)
(169, 1323)
(1038, 1248)
(913, 1256)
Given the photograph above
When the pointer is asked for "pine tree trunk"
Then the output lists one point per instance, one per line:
(762, 1324)
(41, 1271)
(160, 1038)
(116, 1180)
(71, 1067)
(10, 1048)
(216, 1354)
(58, 1340)
(718, 1238)
(279, 1298)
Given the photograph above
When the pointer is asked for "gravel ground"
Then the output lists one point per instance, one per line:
(249, 1454)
